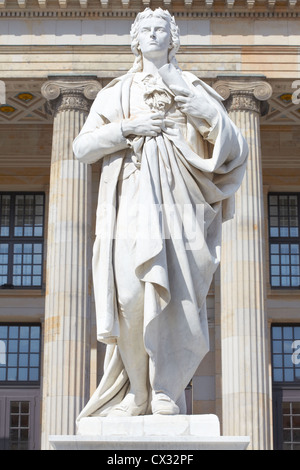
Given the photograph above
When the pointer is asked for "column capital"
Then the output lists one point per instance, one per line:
(63, 94)
(247, 92)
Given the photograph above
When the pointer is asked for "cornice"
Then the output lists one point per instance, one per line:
(70, 9)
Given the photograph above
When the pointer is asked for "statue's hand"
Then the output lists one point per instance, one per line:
(146, 125)
(193, 104)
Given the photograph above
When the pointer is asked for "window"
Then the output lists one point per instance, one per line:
(21, 239)
(286, 385)
(286, 353)
(284, 239)
(20, 418)
(19, 425)
(291, 425)
(20, 347)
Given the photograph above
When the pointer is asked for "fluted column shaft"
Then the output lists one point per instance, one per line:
(67, 303)
(246, 400)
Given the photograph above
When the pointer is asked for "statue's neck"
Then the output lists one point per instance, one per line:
(152, 66)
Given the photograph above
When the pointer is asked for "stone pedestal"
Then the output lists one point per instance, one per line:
(246, 397)
(153, 432)
(68, 287)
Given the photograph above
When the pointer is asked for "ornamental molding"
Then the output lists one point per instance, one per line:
(129, 8)
(69, 15)
(67, 95)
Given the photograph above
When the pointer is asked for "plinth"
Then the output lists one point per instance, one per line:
(151, 432)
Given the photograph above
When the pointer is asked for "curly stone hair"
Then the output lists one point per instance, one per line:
(135, 47)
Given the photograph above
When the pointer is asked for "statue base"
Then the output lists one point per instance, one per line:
(150, 432)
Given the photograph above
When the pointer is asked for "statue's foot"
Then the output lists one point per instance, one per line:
(128, 407)
(163, 405)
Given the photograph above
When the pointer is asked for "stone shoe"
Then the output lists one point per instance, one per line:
(127, 407)
(163, 405)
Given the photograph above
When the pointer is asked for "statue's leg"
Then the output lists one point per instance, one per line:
(130, 296)
(130, 342)
(136, 361)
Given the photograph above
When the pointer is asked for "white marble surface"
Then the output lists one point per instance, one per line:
(181, 432)
(151, 425)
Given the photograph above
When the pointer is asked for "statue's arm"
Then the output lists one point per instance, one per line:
(98, 139)
(100, 136)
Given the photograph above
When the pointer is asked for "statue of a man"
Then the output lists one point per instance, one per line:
(172, 160)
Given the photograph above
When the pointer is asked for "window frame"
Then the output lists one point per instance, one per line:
(282, 391)
(283, 383)
(12, 240)
(24, 383)
(32, 395)
(280, 240)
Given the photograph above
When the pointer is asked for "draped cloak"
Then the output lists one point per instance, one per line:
(188, 178)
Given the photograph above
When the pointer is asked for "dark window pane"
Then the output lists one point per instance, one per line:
(25, 407)
(278, 375)
(296, 421)
(34, 346)
(14, 421)
(23, 360)
(274, 232)
(35, 332)
(13, 332)
(34, 360)
(23, 374)
(3, 331)
(24, 346)
(277, 360)
(288, 375)
(287, 437)
(24, 332)
(12, 373)
(12, 360)
(12, 345)
(277, 346)
(14, 407)
(286, 421)
(33, 374)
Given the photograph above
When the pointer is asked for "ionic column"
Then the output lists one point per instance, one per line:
(67, 303)
(246, 396)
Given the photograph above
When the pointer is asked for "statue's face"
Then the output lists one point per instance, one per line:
(154, 37)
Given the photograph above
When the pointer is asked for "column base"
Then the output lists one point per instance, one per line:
(151, 432)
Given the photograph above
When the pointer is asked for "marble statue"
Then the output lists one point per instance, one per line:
(171, 162)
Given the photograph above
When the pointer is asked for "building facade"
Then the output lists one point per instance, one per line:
(55, 55)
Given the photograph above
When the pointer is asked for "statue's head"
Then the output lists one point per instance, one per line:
(174, 36)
